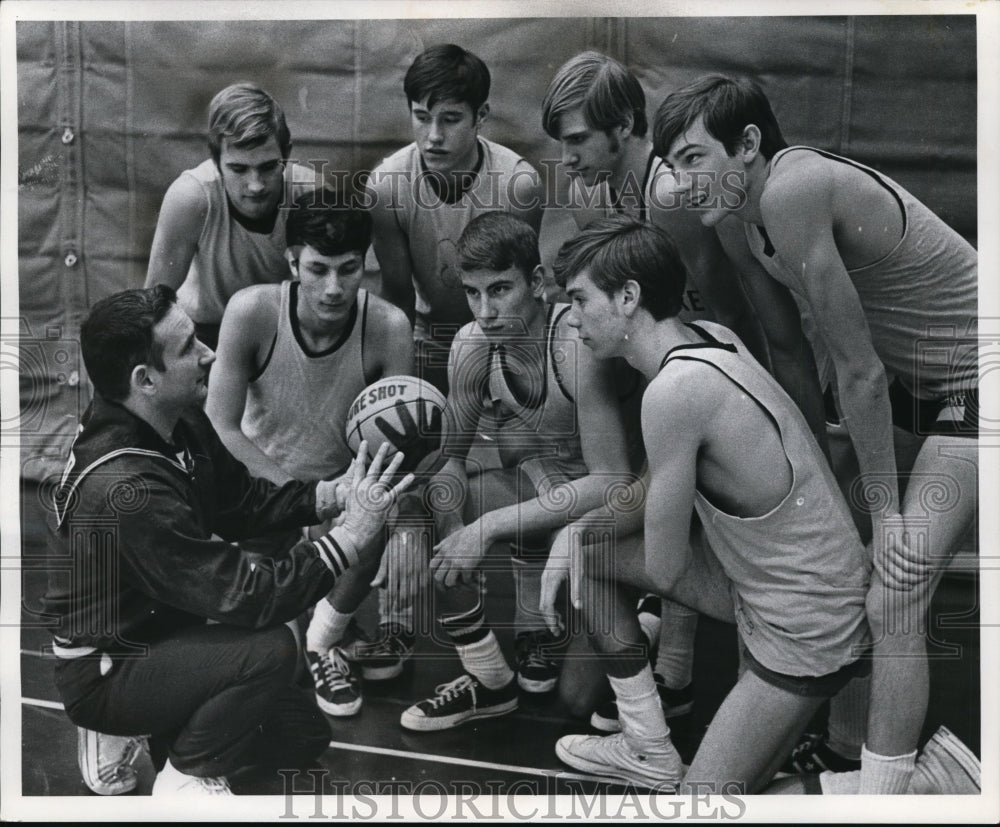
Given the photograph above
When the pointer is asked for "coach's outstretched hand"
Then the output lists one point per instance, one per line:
(369, 495)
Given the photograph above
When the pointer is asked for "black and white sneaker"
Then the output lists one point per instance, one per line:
(813, 755)
(354, 640)
(675, 702)
(338, 691)
(463, 699)
(383, 658)
(537, 670)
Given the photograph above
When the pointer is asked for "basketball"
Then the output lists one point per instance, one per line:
(404, 411)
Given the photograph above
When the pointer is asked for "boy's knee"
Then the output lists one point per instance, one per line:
(896, 608)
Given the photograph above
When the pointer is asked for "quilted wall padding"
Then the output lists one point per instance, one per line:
(110, 112)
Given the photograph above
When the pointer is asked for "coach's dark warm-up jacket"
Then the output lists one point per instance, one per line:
(136, 537)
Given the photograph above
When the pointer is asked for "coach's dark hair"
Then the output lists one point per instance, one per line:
(498, 241)
(728, 105)
(321, 219)
(447, 72)
(608, 92)
(618, 249)
(246, 115)
(117, 335)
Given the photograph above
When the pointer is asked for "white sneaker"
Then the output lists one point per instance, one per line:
(946, 766)
(611, 755)
(173, 782)
(107, 761)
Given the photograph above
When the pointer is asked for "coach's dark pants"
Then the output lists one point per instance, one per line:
(217, 700)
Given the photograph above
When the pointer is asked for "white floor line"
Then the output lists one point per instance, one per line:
(468, 762)
(46, 704)
(418, 756)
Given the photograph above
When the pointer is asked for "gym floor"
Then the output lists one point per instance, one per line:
(514, 753)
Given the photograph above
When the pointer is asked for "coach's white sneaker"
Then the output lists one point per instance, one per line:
(107, 761)
(611, 755)
(172, 782)
(946, 766)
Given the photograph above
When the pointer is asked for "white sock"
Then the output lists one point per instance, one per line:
(848, 724)
(640, 712)
(840, 783)
(885, 774)
(675, 657)
(485, 662)
(326, 628)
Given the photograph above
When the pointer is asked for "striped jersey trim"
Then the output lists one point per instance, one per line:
(333, 554)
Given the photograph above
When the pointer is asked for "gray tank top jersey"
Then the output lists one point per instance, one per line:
(433, 227)
(799, 572)
(229, 256)
(296, 409)
(921, 300)
(542, 433)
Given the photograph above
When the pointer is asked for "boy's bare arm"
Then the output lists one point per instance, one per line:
(392, 249)
(178, 228)
(799, 221)
(248, 312)
(674, 420)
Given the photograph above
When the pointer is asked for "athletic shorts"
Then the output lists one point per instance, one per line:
(953, 415)
(822, 686)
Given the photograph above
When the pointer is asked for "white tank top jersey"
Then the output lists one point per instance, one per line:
(433, 226)
(799, 572)
(921, 300)
(296, 408)
(230, 256)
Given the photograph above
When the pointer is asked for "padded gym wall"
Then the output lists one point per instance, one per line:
(110, 112)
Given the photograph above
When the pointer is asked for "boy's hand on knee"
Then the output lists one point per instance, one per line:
(459, 552)
(556, 571)
(565, 560)
(899, 552)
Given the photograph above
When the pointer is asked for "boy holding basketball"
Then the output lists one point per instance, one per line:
(520, 378)
(292, 357)
(892, 293)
